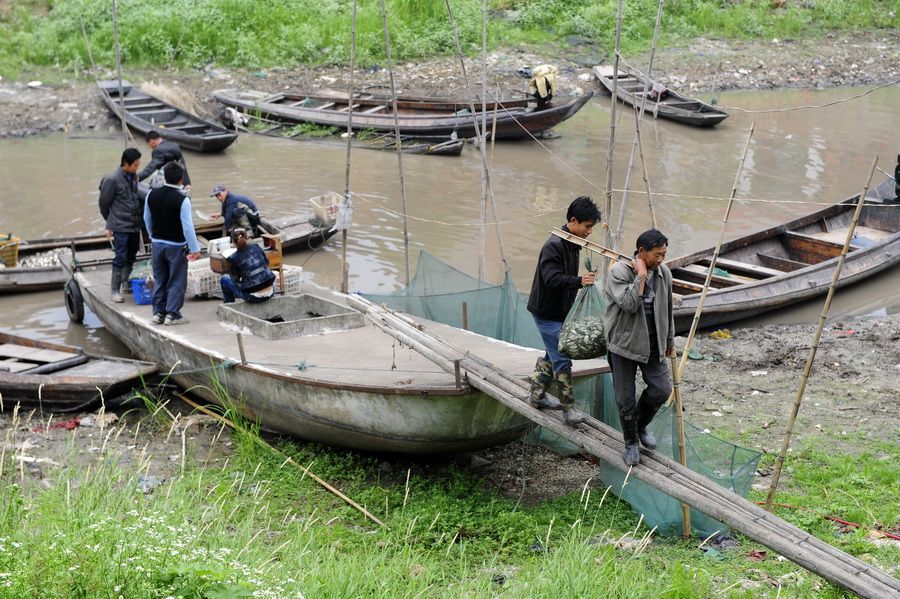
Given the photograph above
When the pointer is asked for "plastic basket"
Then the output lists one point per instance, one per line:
(143, 293)
(9, 250)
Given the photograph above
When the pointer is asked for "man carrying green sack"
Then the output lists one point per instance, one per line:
(640, 333)
(556, 282)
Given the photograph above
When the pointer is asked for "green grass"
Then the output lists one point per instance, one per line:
(46, 33)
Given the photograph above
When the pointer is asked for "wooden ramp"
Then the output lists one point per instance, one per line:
(655, 469)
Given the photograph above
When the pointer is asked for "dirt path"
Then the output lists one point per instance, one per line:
(32, 107)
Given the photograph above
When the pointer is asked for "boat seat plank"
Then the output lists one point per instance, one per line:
(753, 270)
(348, 108)
(103, 368)
(695, 272)
(140, 104)
(809, 249)
(378, 108)
(693, 287)
(324, 106)
(15, 366)
(780, 263)
(12, 350)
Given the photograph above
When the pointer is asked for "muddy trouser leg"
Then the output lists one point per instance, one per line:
(623, 372)
(659, 387)
(541, 379)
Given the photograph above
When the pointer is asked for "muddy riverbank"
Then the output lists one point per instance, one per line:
(48, 102)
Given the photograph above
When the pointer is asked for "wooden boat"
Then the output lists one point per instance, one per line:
(788, 263)
(318, 369)
(672, 106)
(62, 378)
(383, 141)
(145, 113)
(421, 117)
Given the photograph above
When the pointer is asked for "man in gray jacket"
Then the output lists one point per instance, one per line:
(123, 210)
(640, 333)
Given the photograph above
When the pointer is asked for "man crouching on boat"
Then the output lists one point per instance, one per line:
(640, 333)
(556, 283)
(251, 279)
(167, 215)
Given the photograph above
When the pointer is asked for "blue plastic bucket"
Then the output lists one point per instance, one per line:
(143, 294)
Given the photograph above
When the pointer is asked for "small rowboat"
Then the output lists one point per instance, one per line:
(420, 117)
(62, 378)
(671, 105)
(145, 113)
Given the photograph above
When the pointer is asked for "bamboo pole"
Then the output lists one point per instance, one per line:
(712, 264)
(345, 268)
(682, 447)
(479, 135)
(607, 240)
(387, 46)
(656, 469)
(637, 137)
(289, 460)
(795, 409)
(119, 71)
(484, 200)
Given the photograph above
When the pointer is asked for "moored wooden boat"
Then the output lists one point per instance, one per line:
(418, 117)
(788, 263)
(145, 113)
(317, 369)
(672, 106)
(62, 378)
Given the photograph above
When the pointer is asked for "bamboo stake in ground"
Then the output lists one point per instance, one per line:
(345, 269)
(119, 72)
(682, 447)
(387, 47)
(779, 463)
(289, 460)
(483, 210)
(607, 240)
(712, 263)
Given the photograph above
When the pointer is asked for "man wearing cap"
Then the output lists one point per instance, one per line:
(163, 153)
(237, 210)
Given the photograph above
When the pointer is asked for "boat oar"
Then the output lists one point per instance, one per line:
(288, 459)
(779, 463)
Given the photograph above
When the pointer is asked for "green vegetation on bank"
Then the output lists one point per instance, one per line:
(258, 527)
(267, 33)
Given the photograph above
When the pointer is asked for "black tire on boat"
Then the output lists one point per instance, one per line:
(74, 301)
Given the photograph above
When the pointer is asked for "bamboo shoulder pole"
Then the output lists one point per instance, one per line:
(795, 409)
(119, 71)
(712, 264)
(682, 446)
(345, 268)
(387, 47)
(638, 115)
(306, 471)
(612, 134)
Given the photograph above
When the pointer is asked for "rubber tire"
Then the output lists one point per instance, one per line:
(74, 301)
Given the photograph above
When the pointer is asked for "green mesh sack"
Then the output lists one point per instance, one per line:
(583, 334)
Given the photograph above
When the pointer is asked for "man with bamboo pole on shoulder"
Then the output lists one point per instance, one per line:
(640, 334)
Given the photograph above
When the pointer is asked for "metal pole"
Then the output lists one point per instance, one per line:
(779, 463)
(345, 269)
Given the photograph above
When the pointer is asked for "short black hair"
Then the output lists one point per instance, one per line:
(153, 135)
(173, 173)
(583, 209)
(129, 156)
(652, 238)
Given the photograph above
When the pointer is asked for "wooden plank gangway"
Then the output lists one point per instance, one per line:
(655, 469)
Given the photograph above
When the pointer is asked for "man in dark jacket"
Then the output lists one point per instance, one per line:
(556, 283)
(164, 152)
(168, 219)
(251, 278)
(640, 334)
(238, 211)
(121, 207)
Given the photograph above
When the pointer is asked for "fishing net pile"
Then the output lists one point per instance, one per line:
(444, 294)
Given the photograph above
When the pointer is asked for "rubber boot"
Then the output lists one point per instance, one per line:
(567, 398)
(632, 454)
(126, 278)
(541, 379)
(116, 285)
(646, 410)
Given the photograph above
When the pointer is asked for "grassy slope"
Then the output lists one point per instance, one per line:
(59, 33)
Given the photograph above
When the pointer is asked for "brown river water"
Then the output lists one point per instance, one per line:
(803, 156)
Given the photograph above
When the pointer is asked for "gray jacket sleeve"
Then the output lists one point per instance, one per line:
(107, 195)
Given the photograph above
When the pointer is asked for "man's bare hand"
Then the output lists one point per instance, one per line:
(193, 256)
(670, 351)
(214, 216)
(588, 279)
(639, 267)
(109, 234)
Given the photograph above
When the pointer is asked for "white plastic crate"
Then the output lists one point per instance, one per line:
(202, 281)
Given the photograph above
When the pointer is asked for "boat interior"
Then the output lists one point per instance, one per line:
(783, 250)
(158, 113)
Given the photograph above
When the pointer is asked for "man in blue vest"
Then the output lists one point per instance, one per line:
(167, 215)
(251, 279)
